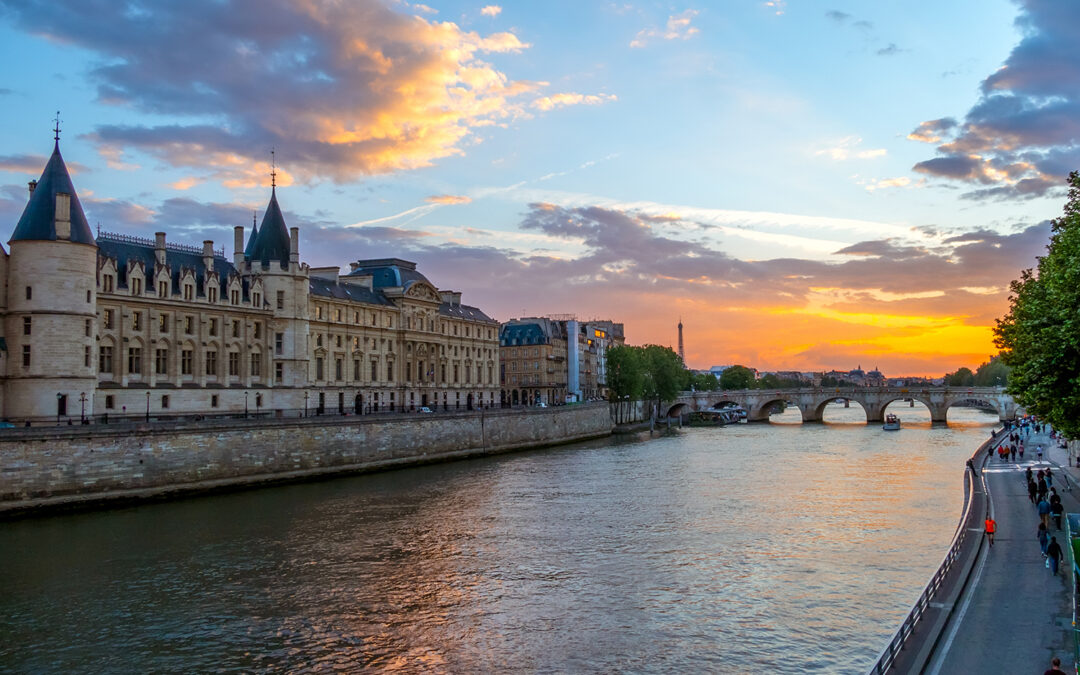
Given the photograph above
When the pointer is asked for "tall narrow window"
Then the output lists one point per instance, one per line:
(256, 365)
(105, 355)
(279, 343)
(86, 356)
(186, 359)
(161, 361)
(318, 368)
(213, 327)
(234, 364)
(211, 362)
(134, 360)
(136, 286)
(163, 323)
(86, 327)
(281, 299)
(107, 318)
(26, 325)
(29, 293)
(26, 356)
(163, 289)
(136, 321)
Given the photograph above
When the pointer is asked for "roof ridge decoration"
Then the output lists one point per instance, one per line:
(38, 220)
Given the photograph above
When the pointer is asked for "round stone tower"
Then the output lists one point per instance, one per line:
(51, 304)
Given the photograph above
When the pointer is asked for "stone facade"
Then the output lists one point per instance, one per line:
(48, 467)
(120, 325)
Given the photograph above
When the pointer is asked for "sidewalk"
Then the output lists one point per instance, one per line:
(1015, 615)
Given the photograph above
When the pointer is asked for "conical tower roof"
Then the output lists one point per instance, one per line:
(272, 241)
(38, 221)
(251, 240)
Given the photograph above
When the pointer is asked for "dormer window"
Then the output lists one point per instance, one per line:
(163, 289)
(256, 300)
(106, 285)
(136, 286)
(211, 294)
(234, 297)
(189, 292)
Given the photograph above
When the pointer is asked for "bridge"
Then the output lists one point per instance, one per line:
(811, 401)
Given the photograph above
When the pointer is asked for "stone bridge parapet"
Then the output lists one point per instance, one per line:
(811, 401)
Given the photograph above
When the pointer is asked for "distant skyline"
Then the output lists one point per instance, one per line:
(809, 186)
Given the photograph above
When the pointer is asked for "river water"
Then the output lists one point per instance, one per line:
(745, 549)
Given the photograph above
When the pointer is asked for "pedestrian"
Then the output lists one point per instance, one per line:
(1027, 474)
(1021, 453)
(1038, 452)
(1012, 452)
(1033, 490)
(1054, 498)
(1044, 512)
(1044, 538)
(1057, 509)
(1049, 478)
(1053, 553)
(1055, 667)
(1042, 486)
(991, 528)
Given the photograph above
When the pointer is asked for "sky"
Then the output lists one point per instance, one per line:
(807, 185)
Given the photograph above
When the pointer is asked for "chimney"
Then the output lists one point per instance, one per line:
(63, 216)
(208, 255)
(159, 248)
(238, 246)
(294, 244)
(32, 185)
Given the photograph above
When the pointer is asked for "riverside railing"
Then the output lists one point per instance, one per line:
(907, 626)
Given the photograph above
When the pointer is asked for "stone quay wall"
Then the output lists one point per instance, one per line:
(65, 467)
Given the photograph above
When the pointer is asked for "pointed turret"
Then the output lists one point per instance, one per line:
(54, 211)
(251, 240)
(272, 241)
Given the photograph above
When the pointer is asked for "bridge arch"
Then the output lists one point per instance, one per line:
(973, 399)
(678, 410)
(761, 412)
(930, 405)
(819, 411)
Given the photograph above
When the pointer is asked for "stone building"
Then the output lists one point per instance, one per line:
(555, 360)
(118, 324)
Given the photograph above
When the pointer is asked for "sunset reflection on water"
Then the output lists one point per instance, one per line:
(780, 547)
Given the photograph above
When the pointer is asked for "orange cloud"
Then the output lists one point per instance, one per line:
(558, 100)
(448, 199)
(491, 10)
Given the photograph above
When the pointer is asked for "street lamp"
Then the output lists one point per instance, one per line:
(147, 406)
(82, 400)
(59, 397)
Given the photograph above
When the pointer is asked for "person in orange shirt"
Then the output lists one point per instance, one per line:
(991, 527)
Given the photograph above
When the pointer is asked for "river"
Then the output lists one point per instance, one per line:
(774, 547)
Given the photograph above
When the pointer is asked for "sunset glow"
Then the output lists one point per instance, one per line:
(808, 187)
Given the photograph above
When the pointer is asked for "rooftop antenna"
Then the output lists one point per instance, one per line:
(273, 170)
(56, 127)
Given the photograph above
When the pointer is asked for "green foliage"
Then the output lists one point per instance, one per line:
(774, 381)
(993, 373)
(664, 373)
(737, 377)
(830, 381)
(1040, 336)
(701, 381)
(625, 372)
(963, 377)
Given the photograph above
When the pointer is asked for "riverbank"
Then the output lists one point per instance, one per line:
(43, 470)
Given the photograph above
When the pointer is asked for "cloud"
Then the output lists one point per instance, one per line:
(564, 99)
(491, 10)
(846, 148)
(341, 89)
(448, 199)
(898, 182)
(677, 28)
(890, 49)
(837, 16)
(932, 131)
(1023, 135)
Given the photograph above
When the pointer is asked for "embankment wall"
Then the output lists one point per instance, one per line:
(67, 466)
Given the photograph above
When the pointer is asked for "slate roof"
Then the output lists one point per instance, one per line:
(125, 251)
(389, 272)
(344, 291)
(463, 312)
(522, 334)
(38, 220)
(272, 240)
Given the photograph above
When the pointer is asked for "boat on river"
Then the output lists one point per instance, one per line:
(892, 423)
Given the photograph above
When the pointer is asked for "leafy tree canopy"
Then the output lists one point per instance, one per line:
(1040, 335)
(737, 377)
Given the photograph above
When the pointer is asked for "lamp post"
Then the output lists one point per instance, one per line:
(82, 400)
(258, 404)
(59, 396)
(147, 406)
(245, 405)
(305, 403)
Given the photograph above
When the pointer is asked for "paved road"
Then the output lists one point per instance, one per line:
(1016, 615)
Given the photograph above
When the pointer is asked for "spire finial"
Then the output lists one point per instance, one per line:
(273, 169)
(252, 218)
(56, 127)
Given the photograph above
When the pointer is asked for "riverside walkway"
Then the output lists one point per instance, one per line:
(1014, 615)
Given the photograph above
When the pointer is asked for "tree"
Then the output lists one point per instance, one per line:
(737, 377)
(625, 378)
(703, 381)
(664, 370)
(993, 373)
(963, 377)
(1039, 338)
